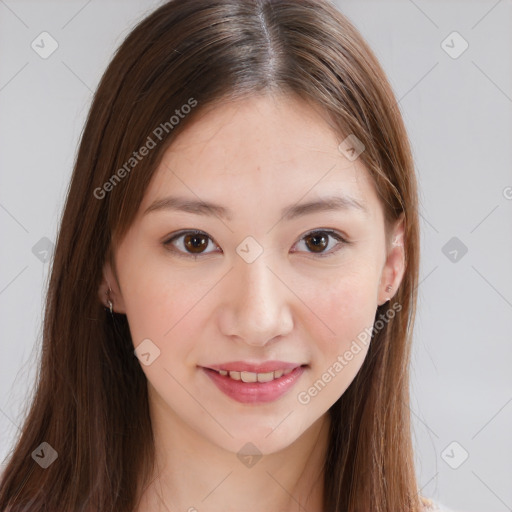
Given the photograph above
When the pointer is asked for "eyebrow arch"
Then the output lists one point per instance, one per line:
(198, 207)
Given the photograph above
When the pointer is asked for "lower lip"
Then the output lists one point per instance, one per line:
(255, 392)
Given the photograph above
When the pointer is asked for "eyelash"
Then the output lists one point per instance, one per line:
(334, 234)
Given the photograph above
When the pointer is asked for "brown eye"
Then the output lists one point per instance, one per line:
(189, 243)
(317, 242)
(195, 243)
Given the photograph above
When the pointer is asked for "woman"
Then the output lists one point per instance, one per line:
(232, 298)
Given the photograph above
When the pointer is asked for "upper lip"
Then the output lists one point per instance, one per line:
(243, 366)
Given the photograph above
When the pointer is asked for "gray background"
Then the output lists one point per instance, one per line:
(458, 114)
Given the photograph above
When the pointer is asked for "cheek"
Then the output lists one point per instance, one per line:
(342, 308)
(163, 309)
(168, 308)
(344, 312)
(158, 299)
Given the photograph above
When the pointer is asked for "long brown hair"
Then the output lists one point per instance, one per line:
(91, 401)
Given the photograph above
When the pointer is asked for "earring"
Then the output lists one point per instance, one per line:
(388, 289)
(109, 302)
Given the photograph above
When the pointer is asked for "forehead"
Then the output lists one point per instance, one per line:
(260, 149)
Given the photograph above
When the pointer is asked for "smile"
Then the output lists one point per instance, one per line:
(255, 387)
(254, 377)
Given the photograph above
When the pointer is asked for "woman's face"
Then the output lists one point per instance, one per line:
(278, 277)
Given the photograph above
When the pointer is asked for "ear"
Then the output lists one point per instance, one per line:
(109, 280)
(394, 268)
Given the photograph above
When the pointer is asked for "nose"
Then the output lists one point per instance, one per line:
(257, 306)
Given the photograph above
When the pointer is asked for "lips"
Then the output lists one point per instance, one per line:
(253, 383)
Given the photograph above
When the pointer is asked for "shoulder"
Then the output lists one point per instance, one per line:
(431, 506)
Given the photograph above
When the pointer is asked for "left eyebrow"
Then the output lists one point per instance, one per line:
(326, 204)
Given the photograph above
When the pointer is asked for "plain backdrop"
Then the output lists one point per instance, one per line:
(457, 105)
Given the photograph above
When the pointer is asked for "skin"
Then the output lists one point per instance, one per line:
(254, 156)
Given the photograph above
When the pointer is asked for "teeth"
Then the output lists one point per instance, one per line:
(255, 377)
(265, 377)
(249, 377)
